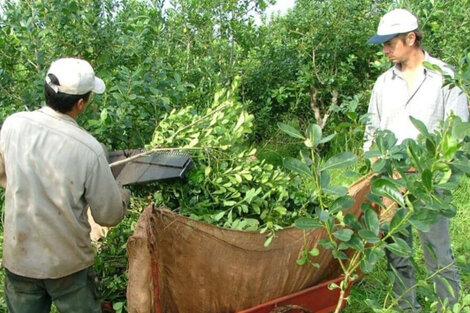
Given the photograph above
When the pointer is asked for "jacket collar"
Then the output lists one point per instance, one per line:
(57, 115)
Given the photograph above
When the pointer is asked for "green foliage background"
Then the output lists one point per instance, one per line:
(310, 65)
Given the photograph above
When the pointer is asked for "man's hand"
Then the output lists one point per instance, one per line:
(126, 197)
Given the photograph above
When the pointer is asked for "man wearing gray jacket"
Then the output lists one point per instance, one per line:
(409, 89)
(52, 170)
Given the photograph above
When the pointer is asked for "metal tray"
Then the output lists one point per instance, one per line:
(157, 166)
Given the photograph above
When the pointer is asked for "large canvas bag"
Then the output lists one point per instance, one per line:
(183, 266)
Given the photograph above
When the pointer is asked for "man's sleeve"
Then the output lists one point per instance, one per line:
(373, 121)
(108, 202)
(3, 174)
(456, 102)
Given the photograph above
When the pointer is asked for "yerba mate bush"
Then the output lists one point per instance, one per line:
(416, 178)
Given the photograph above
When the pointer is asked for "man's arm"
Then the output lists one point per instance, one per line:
(373, 119)
(456, 101)
(3, 175)
(108, 202)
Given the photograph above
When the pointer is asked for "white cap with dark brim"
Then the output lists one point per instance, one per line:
(75, 76)
(393, 23)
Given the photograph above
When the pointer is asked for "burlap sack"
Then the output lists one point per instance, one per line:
(207, 269)
(140, 289)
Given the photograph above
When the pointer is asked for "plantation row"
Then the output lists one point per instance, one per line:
(312, 64)
(272, 115)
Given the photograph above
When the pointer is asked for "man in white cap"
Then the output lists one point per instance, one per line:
(409, 89)
(52, 170)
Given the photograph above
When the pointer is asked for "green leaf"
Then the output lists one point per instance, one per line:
(376, 199)
(371, 221)
(291, 131)
(461, 129)
(397, 220)
(420, 224)
(466, 300)
(280, 209)
(241, 120)
(430, 146)
(368, 236)
(441, 166)
(327, 244)
(324, 179)
(314, 133)
(303, 258)
(399, 247)
(351, 174)
(449, 146)
(385, 140)
(366, 266)
(323, 215)
(341, 204)
(314, 252)
(355, 243)
(118, 306)
(304, 157)
(339, 255)
(268, 241)
(463, 166)
(308, 143)
(366, 206)
(426, 176)
(219, 216)
(307, 223)
(229, 203)
(373, 256)
(297, 166)
(251, 224)
(192, 143)
(343, 234)
(445, 282)
(336, 190)
(104, 115)
(385, 188)
(372, 154)
(351, 220)
(419, 126)
(379, 165)
(341, 160)
(412, 150)
(250, 194)
(326, 139)
(444, 178)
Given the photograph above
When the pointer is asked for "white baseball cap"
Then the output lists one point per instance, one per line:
(393, 23)
(75, 76)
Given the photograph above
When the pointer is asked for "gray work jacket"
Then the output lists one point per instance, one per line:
(392, 102)
(52, 170)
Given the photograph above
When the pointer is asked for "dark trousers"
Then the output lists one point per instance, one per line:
(75, 293)
(438, 258)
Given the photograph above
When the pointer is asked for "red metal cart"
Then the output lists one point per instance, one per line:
(317, 299)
